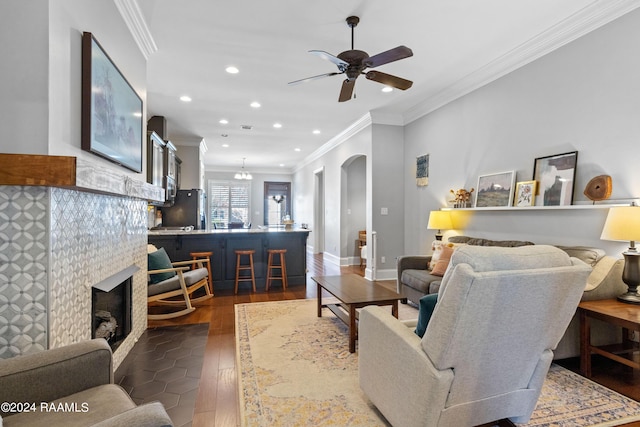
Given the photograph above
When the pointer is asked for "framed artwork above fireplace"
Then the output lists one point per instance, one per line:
(111, 109)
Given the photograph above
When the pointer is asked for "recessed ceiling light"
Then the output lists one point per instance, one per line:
(277, 125)
(225, 145)
(387, 89)
(316, 132)
(255, 104)
(232, 70)
(185, 98)
(224, 121)
(281, 165)
(296, 149)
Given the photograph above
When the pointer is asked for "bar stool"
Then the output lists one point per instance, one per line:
(195, 256)
(240, 266)
(282, 266)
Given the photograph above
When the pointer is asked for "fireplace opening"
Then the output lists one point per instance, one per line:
(111, 308)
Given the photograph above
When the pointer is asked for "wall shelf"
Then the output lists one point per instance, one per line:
(542, 208)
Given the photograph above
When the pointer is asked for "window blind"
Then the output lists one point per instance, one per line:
(229, 202)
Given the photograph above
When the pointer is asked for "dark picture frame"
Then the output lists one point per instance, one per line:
(112, 122)
(495, 190)
(422, 170)
(556, 177)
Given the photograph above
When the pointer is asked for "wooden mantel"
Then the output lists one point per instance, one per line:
(34, 169)
(73, 173)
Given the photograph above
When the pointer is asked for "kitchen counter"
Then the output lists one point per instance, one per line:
(227, 231)
(223, 243)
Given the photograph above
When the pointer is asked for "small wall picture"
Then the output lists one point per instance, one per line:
(422, 170)
(495, 189)
(556, 178)
(525, 193)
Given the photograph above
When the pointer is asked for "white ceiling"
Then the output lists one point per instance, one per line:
(458, 45)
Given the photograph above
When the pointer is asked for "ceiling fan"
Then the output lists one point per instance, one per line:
(354, 62)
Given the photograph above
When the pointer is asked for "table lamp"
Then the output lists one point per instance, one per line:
(439, 220)
(623, 224)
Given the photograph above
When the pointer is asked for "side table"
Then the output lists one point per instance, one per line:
(614, 312)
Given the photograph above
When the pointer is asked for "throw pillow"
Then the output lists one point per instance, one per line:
(443, 261)
(159, 260)
(436, 247)
(427, 305)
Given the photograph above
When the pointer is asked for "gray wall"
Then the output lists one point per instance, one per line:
(332, 163)
(190, 168)
(40, 89)
(355, 207)
(382, 146)
(24, 108)
(387, 178)
(584, 97)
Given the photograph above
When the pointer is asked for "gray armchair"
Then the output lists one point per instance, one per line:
(71, 386)
(488, 346)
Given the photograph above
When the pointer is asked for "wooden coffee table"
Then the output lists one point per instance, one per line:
(354, 292)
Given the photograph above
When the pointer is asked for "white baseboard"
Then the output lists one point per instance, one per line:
(327, 257)
(387, 274)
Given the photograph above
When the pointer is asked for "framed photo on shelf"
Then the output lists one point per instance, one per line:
(495, 189)
(525, 193)
(556, 178)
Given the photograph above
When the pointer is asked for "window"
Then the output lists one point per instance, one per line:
(277, 202)
(229, 203)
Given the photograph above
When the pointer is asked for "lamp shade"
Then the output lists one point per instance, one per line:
(622, 224)
(440, 220)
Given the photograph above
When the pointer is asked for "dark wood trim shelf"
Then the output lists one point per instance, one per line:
(34, 169)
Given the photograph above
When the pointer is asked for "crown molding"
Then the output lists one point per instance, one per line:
(133, 18)
(343, 136)
(383, 118)
(203, 147)
(588, 19)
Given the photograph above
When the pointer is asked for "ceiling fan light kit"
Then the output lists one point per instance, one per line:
(353, 63)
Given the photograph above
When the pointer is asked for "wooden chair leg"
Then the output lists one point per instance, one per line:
(283, 264)
(253, 276)
(235, 291)
(269, 268)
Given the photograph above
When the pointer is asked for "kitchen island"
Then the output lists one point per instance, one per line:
(223, 243)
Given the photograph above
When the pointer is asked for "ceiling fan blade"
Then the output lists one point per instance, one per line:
(342, 65)
(295, 82)
(390, 55)
(347, 90)
(389, 80)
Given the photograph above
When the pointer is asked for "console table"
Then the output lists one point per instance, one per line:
(617, 313)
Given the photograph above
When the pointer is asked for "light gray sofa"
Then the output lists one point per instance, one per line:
(71, 386)
(487, 348)
(604, 282)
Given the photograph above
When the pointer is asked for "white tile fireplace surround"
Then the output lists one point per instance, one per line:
(56, 243)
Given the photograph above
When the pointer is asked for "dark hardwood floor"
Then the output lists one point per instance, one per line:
(217, 401)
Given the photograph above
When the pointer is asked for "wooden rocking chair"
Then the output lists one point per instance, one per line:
(177, 284)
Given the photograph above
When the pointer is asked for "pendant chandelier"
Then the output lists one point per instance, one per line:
(243, 174)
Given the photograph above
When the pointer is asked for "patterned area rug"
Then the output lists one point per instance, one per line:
(295, 369)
